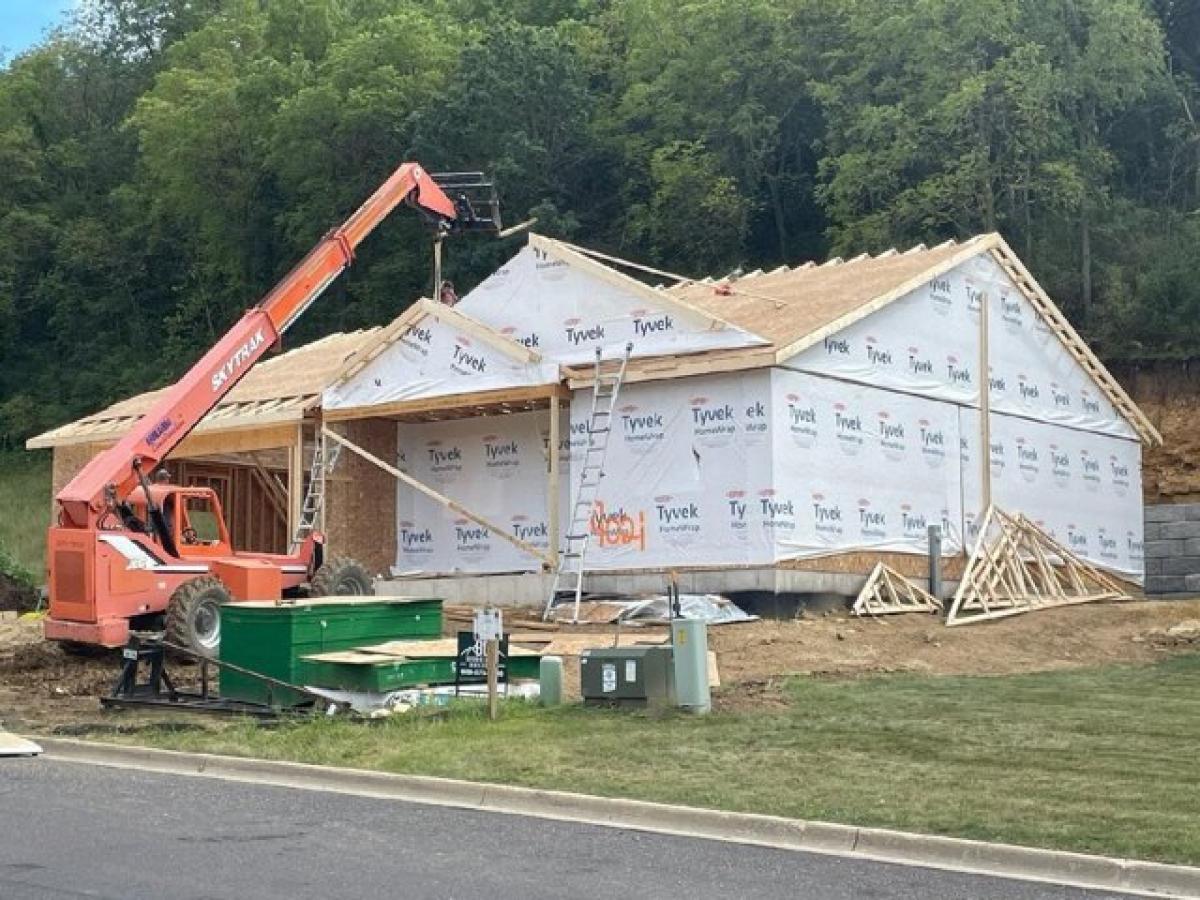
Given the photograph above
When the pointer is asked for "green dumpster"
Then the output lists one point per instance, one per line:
(272, 639)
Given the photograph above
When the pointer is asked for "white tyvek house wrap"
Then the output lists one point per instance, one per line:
(691, 480)
(927, 343)
(1082, 488)
(434, 359)
(564, 313)
(495, 466)
(688, 474)
(862, 468)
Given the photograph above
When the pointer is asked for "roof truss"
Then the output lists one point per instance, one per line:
(887, 591)
(1017, 567)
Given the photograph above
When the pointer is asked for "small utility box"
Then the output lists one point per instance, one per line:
(627, 676)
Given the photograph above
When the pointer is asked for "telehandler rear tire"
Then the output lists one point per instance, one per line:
(193, 619)
(341, 576)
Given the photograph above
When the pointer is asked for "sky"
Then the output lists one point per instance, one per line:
(24, 22)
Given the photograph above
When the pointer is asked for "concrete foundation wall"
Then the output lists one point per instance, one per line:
(1172, 550)
(766, 590)
(360, 502)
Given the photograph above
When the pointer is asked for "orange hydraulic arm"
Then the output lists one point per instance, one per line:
(111, 475)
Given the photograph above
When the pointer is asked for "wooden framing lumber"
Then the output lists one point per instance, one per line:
(461, 321)
(887, 591)
(985, 404)
(553, 479)
(681, 366)
(295, 485)
(1017, 567)
(1076, 346)
(437, 497)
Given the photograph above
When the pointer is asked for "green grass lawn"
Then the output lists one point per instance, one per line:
(25, 508)
(1100, 761)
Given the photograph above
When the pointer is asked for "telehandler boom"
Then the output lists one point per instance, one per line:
(125, 550)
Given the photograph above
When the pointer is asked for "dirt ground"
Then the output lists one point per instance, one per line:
(43, 688)
(754, 656)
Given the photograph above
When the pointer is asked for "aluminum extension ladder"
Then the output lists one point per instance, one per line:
(606, 387)
(323, 460)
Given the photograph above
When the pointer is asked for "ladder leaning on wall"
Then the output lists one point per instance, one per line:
(323, 460)
(606, 387)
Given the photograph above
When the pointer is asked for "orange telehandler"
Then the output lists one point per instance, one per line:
(126, 551)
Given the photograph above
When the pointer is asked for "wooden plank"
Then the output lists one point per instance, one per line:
(437, 649)
(663, 368)
(295, 488)
(437, 497)
(553, 483)
(985, 405)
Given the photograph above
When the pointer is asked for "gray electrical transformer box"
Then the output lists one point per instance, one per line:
(627, 676)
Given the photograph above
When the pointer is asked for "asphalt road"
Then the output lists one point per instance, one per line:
(70, 830)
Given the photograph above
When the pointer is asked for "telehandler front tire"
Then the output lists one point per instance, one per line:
(193, 619)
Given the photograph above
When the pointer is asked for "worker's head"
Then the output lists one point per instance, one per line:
(447, 294)
(162, 476)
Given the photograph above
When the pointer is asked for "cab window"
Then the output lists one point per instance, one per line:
(202, 519)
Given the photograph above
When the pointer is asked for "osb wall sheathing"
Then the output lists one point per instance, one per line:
(861, 563)
(360, 511)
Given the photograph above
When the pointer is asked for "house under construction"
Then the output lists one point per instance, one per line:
(778, 433)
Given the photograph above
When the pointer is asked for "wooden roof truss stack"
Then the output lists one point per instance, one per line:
(1017, 567)
(887, 591)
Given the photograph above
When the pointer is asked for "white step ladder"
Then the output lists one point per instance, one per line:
(606, 387)
(323, 460)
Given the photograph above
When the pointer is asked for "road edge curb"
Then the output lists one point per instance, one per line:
(876, 844)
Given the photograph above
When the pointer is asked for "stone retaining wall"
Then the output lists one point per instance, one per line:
(1173, 550)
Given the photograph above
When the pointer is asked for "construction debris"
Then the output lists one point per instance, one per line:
(1017, 567)
(653, 609)
(887, 591)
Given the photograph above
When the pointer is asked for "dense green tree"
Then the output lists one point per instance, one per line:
(163, 162)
